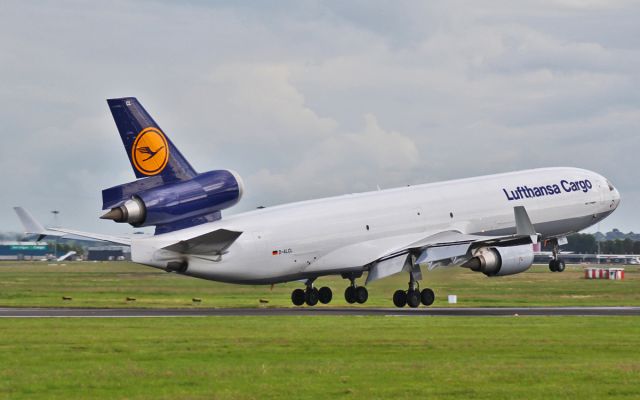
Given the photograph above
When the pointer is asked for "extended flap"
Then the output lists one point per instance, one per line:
(433, 254)
(387, 267)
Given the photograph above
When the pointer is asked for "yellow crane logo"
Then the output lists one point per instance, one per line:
(150, 151)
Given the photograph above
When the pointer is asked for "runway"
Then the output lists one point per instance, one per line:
(310, 312)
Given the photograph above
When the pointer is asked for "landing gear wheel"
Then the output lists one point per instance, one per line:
(311, 296)
(400, 298)
(556, 264)
(297, 297)
(350, 294)
(361, 294)
(427, 297)
(325, 295)
(413, 298)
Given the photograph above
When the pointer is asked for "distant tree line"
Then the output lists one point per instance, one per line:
(586, 243)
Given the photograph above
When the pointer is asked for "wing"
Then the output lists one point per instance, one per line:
(387, 256)
(449, 248)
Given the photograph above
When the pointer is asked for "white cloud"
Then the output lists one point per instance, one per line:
(342, 163)
(315, 98)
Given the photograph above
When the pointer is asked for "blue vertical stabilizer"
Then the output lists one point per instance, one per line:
(150, 151)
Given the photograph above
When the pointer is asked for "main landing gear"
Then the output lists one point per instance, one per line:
(556, 264)
(413, 296)
(311, 295)
(354, 293)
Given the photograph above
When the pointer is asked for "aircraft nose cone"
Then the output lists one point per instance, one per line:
(616, 198)
(613, 195)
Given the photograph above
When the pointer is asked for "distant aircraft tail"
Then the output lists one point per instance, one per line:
(64, 257)
(150, 151)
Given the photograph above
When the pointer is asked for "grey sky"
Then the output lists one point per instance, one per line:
(308, 99)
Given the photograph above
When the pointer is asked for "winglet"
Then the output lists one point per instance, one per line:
(28, 222)
(524, 227)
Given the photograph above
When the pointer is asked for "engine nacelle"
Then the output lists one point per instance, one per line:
(499, 261)
(205, 194)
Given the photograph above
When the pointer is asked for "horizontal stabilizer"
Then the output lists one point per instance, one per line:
(33, 227)
(214, 242)
(92, 236)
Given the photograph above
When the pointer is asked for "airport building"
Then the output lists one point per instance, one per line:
(108, 253)
(23, 250)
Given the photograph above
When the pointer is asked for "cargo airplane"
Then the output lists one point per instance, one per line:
(487, 224)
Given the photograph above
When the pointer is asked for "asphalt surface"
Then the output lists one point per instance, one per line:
(318, 311)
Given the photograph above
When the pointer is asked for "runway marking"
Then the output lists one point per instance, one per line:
(307, 311)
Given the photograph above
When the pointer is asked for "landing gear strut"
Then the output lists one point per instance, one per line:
(354, 293)
(556, 264)
(311, 295)
(413, 296)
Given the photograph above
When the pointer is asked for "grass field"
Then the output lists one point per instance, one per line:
(109, 284)
(313, 357)
(321, 357)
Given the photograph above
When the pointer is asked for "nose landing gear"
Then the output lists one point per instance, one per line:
(556, 264)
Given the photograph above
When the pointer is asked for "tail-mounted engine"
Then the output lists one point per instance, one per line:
(174, 205)
(499, 261)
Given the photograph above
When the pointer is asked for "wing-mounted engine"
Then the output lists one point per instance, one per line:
(501, 260)
(174, 205)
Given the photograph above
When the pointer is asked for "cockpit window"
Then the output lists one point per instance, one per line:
(611, 188)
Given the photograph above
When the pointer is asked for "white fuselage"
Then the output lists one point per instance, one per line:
(341, 234)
